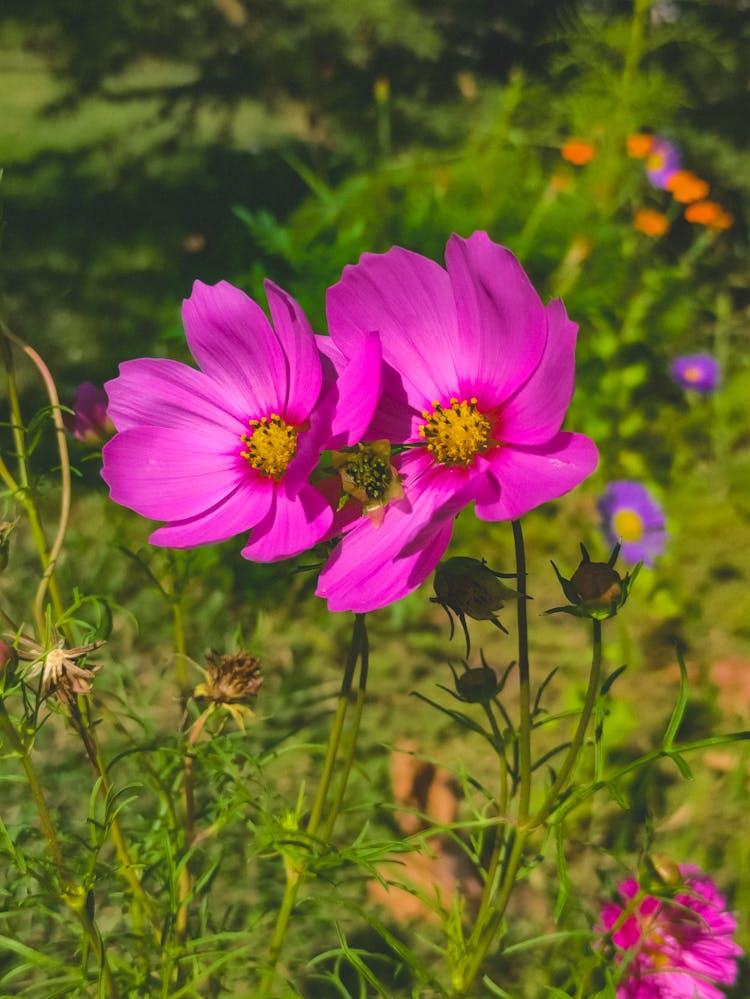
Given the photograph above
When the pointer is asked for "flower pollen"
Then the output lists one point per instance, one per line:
(627, 525)
(456, 434)
(271, 445)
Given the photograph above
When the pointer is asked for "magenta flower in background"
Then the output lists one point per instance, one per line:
(229, 448)
(633, 517)
(89, 422)
(662, 161)
(677, 948)
(696, 372)
(478, 375)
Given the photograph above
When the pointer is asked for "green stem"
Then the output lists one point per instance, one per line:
(571, 757)
(296, 875)
(73, 898)
(635, 44)
(524, 681)
(47, 557)
(178, 620)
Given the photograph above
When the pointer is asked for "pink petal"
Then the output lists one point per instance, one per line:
(158, 392)
(298, 344)
(357, 392)
(232, 340)
(528, 477)
(172, 474)
(536, 411)
(293, 524)
(240, 511)
(502, 326)
(407, 299)
(367, 569)
(372, 567)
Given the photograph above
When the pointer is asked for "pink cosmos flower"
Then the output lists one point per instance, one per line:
(477, 377)
(89, 422)
(229, 448)
(679, 948)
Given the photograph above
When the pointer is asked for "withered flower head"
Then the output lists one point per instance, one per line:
(58, 667)
(469, 588)
(595, 589)
(369, 478)
(232, 682)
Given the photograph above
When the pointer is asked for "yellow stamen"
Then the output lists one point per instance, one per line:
(627, 525)
(270, 446)
(455, 435)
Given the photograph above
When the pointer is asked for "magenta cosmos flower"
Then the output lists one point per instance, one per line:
(477, 377)
(676, 948)
(229, 448)
(696, 372)
(632, 517)
(89, 422)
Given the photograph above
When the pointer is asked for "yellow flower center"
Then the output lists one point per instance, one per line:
(692, 374)
(655, 161)
(627, 525)
(270, 446)
(456, 434)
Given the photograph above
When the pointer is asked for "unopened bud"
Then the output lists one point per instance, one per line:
(469, 588)
(596, 584)
(595, 589)
(477, 686)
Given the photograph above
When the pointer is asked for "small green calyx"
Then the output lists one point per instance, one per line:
(469, 588)
(596, 589)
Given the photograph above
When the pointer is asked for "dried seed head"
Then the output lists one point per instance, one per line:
(230, 678)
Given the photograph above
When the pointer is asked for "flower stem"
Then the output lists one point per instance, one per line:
(48, 557)
(295, 875)
(571, 757)
(508, 850)
(188, 790)
(524, 680)
(73, 897)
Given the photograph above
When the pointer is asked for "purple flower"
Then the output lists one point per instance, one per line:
(477, 377)
(89, 422)
(697, 372)
(662, 161)
(229, 448)
(675, 948)
(632, 516)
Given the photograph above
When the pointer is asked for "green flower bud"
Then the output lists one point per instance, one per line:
(596, 589)
(469, 588)
(477, 686)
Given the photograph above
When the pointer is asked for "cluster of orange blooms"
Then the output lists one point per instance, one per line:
(685, 187)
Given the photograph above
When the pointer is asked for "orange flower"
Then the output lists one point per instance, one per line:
(650, 222)
(710, 214)
(578, 151)
(685, 186)
(639, 145)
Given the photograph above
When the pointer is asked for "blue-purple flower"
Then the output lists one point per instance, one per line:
(662, 161)
(632, 516)
(696, 372)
